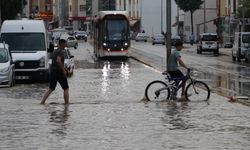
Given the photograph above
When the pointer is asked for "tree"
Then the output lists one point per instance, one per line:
(10, 8)
(244, 9)
(189, 5)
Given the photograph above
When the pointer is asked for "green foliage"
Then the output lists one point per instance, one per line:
(245, 7)
(10, 8)
(189, 5)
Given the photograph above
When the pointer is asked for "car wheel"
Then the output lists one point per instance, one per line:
(216, 52)
(246, 60)
(153, 43)
(76, 46)
(238, 58)
(233, 57)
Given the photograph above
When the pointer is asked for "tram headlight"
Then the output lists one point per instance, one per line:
(104, 44)
(126, 44)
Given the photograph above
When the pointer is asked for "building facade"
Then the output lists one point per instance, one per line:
(134, 9)
(203, 20)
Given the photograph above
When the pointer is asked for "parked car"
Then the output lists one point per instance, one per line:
(56, 33)
(241, 46)
(228, 45)
(68, 62)
(141, 37)
(208, 42)
(71, 40)
(81, 35)
(175, 39)
(158, 39)
(7, 73)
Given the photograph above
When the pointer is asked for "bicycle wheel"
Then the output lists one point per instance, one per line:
(197, 91)
(157, 91)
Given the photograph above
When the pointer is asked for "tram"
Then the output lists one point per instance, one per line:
(111, 34)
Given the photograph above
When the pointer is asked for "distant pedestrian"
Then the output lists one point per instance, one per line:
(191, 38)
(58, 73)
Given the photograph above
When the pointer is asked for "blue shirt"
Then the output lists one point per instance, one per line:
(172, 62)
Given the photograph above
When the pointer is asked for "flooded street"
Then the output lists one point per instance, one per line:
(225, 77)
(107, 112)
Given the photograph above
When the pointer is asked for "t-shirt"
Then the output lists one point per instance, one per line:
(172, 62)
(54, 66)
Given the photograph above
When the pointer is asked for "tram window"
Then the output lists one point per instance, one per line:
(115, 30)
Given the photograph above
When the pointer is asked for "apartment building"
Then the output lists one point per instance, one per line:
(77, 14)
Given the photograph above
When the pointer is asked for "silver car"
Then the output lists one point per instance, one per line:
(69, 62)
(7, 73)
(158, 39)
(71, 40)
(141, 37)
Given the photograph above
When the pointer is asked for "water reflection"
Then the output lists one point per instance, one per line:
(105, 75)
(113, 72)
(229, 82)
(176, 115)
(59, 118)
(125, 70)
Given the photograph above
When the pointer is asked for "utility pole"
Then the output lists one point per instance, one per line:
(0, 16)
(161, 17)
(141, 17)
(205, 28)
(168, 19)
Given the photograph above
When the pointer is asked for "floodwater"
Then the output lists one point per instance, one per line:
(107, 112)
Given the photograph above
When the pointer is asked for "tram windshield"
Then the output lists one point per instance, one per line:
(116, 30)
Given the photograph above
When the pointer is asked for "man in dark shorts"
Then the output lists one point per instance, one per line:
(58, 73)
(174, 62)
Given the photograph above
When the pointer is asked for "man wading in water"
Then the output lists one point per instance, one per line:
(58, 73)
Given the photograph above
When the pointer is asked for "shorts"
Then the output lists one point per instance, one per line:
(57, 77)
(176, 74)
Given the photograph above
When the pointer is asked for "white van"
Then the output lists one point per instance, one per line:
(28, 43)
(208, 42)
(241, 46)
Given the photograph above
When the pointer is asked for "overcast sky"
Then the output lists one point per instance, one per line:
(151, 16)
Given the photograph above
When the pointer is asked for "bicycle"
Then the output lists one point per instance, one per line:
(166, 90)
